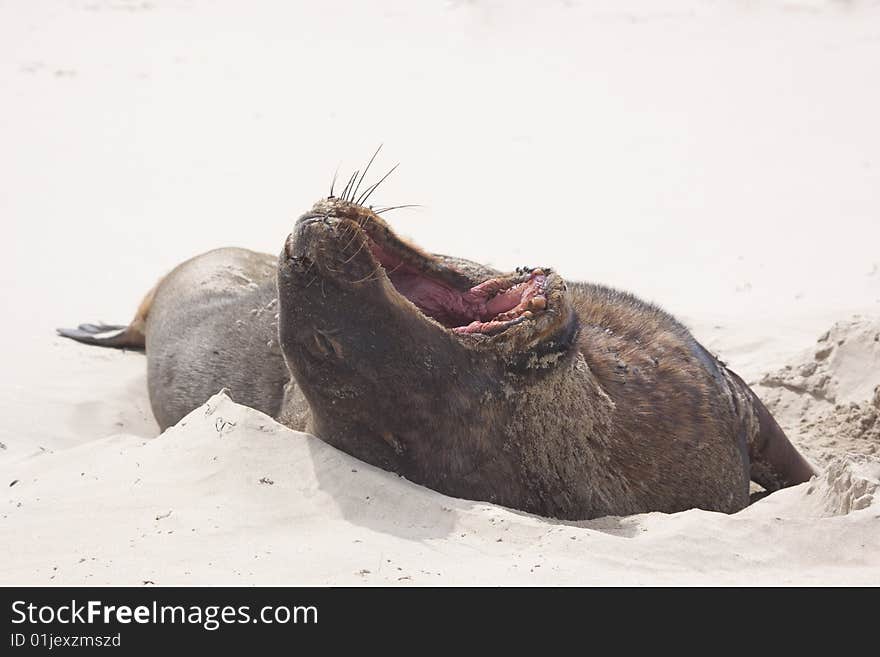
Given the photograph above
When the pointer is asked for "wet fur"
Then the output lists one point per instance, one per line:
(574, 436)
(633, 415)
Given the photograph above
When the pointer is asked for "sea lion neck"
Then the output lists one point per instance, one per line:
(392, 346)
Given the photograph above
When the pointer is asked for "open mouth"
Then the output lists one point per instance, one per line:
(492, 306)
(451, 297)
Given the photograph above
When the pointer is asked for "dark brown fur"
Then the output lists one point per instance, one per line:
(606, 405)
(599, 404)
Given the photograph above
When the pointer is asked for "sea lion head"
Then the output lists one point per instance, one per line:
(386, 340)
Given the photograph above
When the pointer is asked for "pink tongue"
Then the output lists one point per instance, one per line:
(504, 301)
(516, 298)
(443, 303)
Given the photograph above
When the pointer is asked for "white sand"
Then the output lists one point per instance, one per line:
(719, 158)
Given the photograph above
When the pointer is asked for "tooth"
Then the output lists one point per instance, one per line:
(538, 303)
(527, 314)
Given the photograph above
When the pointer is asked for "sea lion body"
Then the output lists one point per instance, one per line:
(568, 400)
(212, 325)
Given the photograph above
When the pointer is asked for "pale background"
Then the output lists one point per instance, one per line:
(720, 158)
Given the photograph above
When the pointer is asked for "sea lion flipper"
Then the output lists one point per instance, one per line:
(774, 462)
(105, 335)
(132, 336)
(100, 327)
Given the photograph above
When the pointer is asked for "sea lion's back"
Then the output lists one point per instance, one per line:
(674, 413)
(213, 325)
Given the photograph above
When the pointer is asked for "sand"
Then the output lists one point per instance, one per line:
(828, 399)
(682, 150)
(230, 496)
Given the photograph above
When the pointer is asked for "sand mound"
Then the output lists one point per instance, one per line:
(230, 496)
(849, 483)
(828, 398)
(855, 426)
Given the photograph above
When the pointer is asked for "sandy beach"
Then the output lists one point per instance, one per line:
(719, 159)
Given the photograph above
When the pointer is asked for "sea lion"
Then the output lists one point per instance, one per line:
(569, 400)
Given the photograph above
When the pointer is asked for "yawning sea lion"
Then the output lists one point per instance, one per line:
(564, 399)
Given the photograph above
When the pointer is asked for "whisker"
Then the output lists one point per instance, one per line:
(399, 265)
(333, 183)
(354, 193)
(350, 183)
(372, 188)
(354, 255)
(368, 189)
(369, 277)
(397, 207)
(354, 233)
(350, 191)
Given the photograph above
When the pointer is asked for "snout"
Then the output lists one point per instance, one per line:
(336, 248)
(307, 231)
